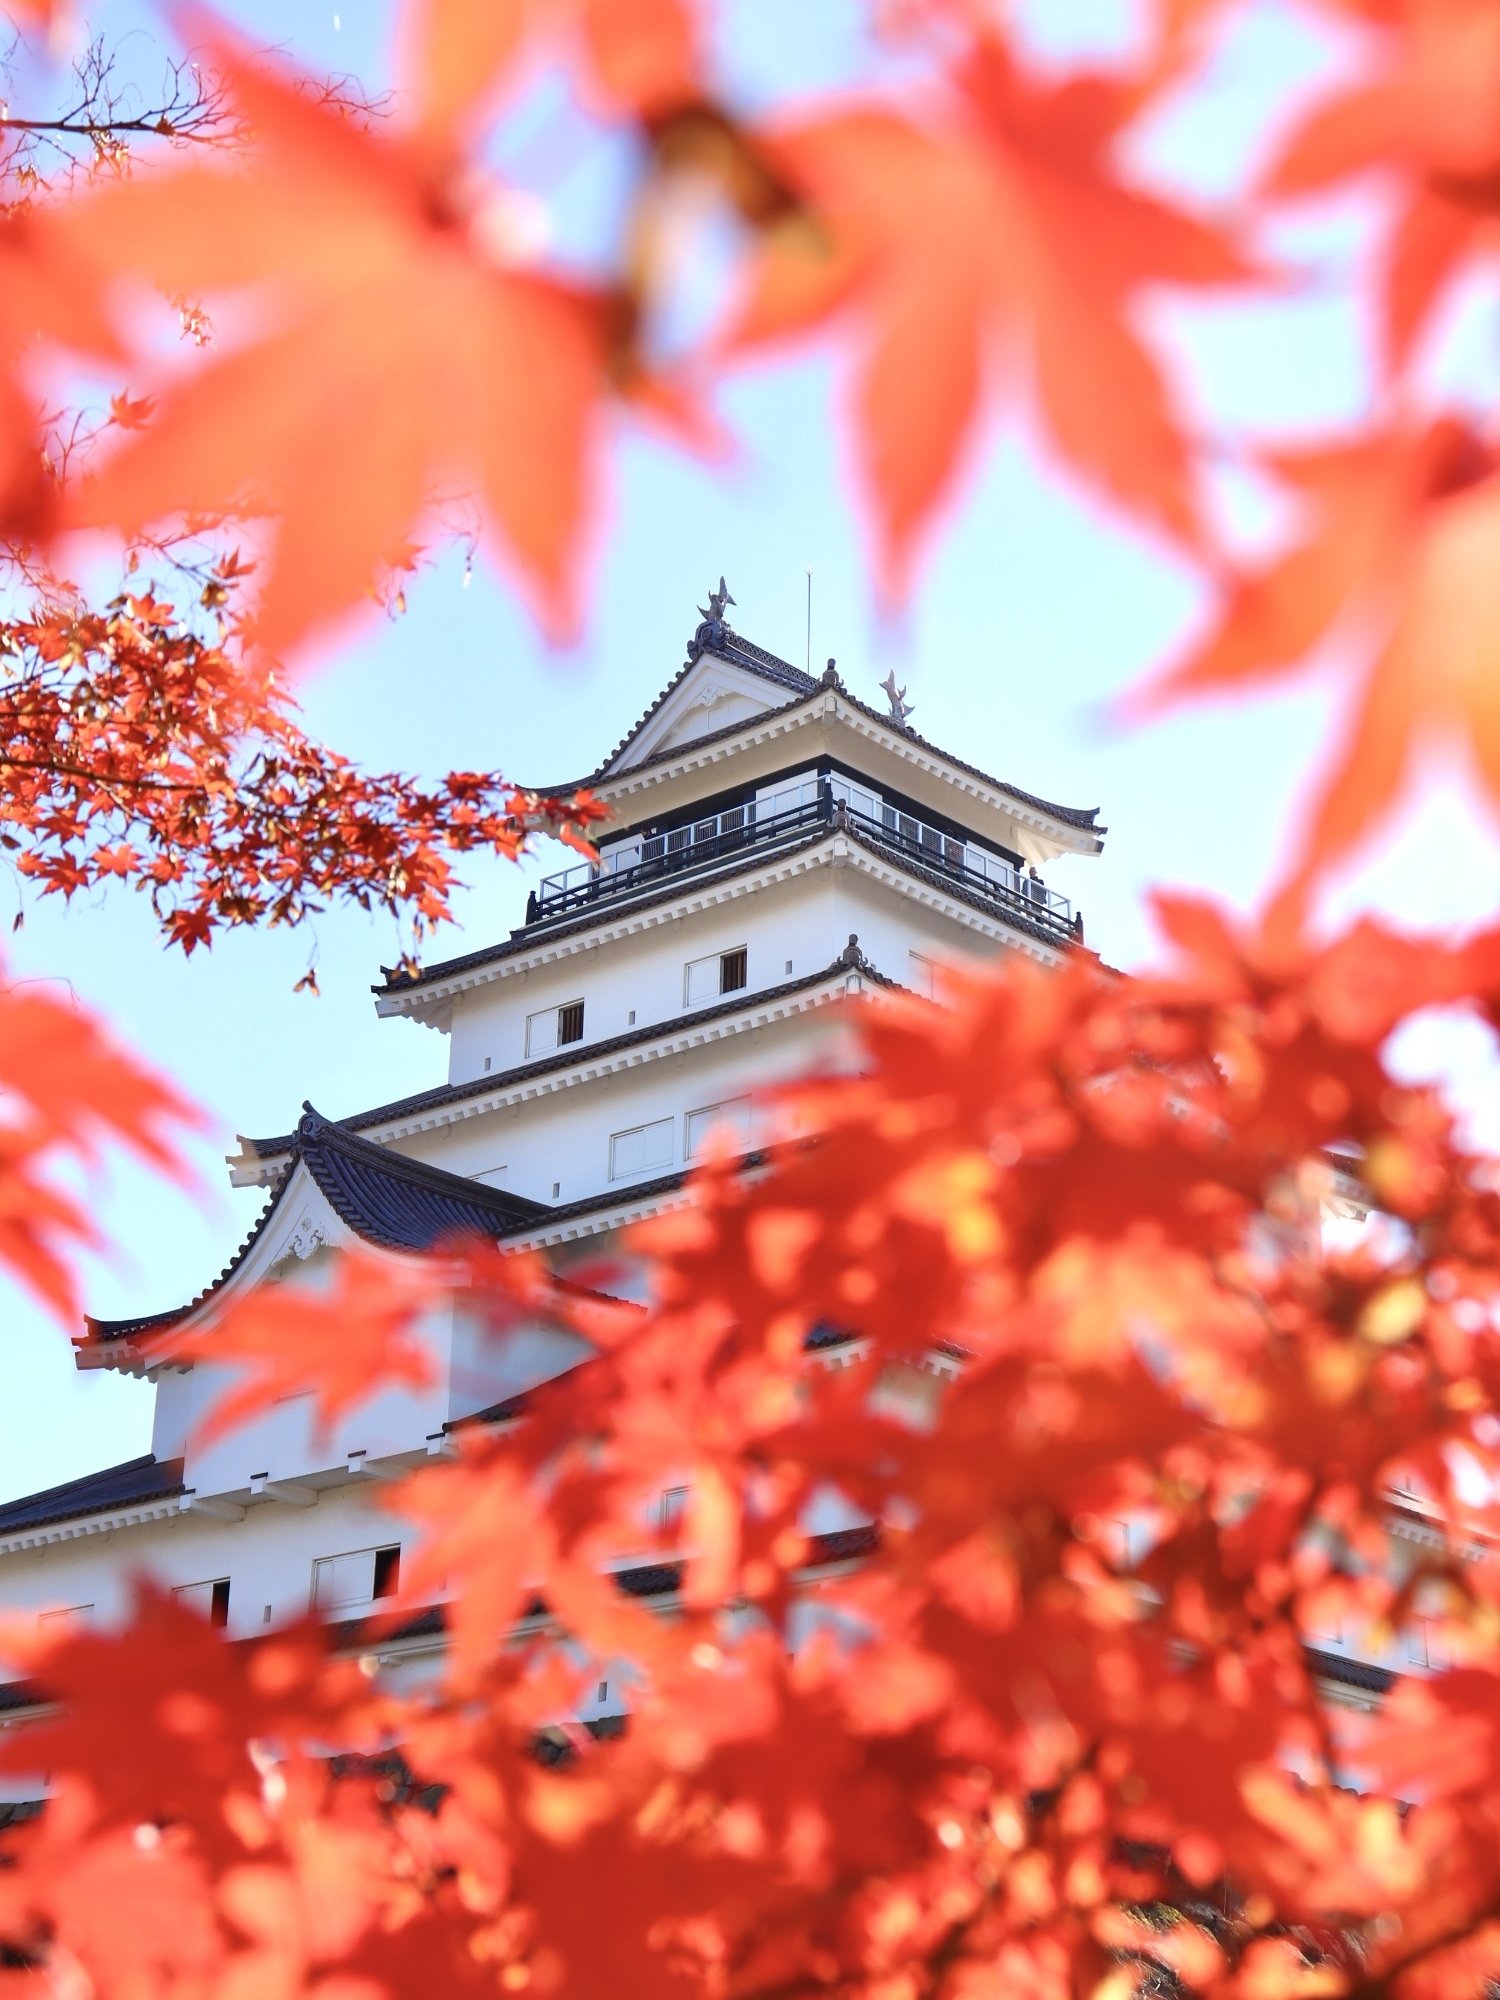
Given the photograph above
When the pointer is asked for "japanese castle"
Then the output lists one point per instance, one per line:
(777, 848)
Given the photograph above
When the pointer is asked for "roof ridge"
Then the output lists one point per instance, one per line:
(705, 643)
(318, 1140)
(1083, 819)
(98, 1331)
(315, 1132)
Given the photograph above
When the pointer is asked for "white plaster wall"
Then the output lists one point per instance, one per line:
(805, 921)
(555, 1148)
(283, 1441)
(489, 1367)
(644, 973)
(268, 1557)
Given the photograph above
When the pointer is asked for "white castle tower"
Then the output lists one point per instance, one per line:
(775, 847)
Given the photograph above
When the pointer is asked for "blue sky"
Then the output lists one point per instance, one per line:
(1035, 609)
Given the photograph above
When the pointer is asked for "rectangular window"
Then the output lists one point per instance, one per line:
(705, 979)
(923, 976)
(673, 1506)
(344, 1583)
(209, 1600)
(734, 1112)
(643, 1149)
(66, 1614)
(701, 981)
(1424, 1647)
(553, 1027)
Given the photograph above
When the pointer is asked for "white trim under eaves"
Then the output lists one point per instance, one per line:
(47, 1533)
(917, 890)
(708, 893)
(599, 1221)
(833, 709)
(696, 893)
(588, 1068)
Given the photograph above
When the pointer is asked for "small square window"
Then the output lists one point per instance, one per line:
(343, 1583)
(733, 1114)
(387, 1572)
(553, 1027)
(642, 1149)
(209, 1600)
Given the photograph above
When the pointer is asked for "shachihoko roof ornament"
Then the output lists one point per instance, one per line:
(711, 632)
(900, 706)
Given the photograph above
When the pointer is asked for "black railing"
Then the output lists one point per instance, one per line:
(566, 897)
(693, 855)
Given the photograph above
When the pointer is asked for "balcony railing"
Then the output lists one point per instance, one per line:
(790, 813)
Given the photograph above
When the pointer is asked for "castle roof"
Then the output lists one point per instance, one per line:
(138, 1479)
(383, 1197)
(725, 644)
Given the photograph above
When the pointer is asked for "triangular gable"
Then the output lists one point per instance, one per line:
(296, 1223)
(337, 1187)
(711, 694)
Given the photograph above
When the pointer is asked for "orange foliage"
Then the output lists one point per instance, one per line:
(65, 1094)
(1125, 1432)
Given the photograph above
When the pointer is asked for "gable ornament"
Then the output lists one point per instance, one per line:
(714, 629)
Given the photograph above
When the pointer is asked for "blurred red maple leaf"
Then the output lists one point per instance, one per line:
(986, 228)
(399, 344)
(65, 1092)
(1425, 114)
(1394, 562)
(639, 55)
(359, 1336)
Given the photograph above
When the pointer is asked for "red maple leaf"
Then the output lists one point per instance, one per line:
(399, 344)
(637, 55)
(980, 229)
(1395, 558)
(344, 1344)
(1426, 115)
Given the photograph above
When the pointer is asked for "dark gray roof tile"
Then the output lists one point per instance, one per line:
(384, 1197)
(138, 1479)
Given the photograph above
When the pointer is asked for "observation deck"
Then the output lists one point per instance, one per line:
(651, 861)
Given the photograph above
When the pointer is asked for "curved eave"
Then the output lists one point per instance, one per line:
(619, 775)
(383, 1198)
(430, 995)
(261, 1161)
(1073, 828)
